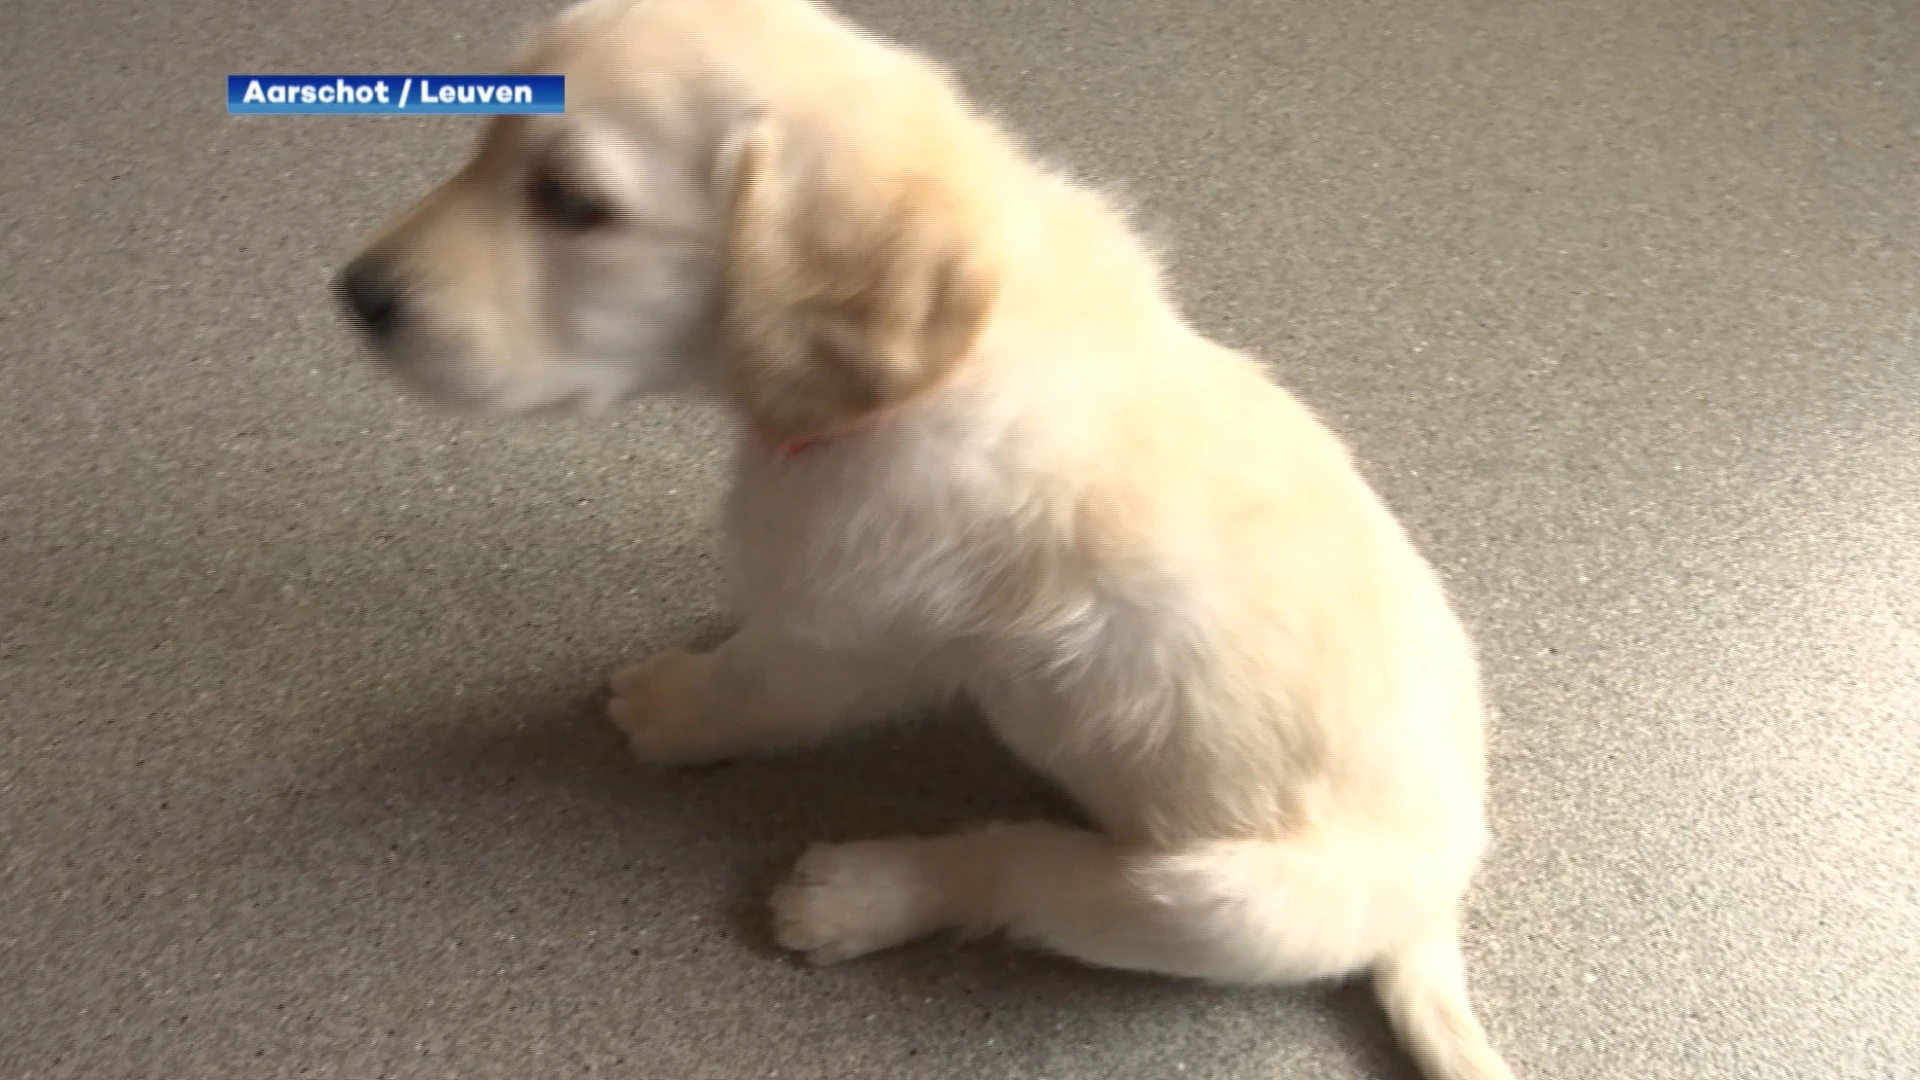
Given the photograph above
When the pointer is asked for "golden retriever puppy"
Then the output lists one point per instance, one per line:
(981, 454)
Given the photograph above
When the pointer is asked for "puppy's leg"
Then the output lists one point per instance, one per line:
(1238, 911)
(761, 690)
(1235, 912)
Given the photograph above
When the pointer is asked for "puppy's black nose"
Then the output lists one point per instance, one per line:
(369, 288)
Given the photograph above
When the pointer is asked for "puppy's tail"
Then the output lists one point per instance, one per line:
(1423, 987)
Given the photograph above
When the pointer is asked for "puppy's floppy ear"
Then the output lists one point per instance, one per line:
(856, 276)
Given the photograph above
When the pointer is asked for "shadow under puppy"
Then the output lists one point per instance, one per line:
(981, 453)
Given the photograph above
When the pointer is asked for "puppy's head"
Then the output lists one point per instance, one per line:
(711, 212)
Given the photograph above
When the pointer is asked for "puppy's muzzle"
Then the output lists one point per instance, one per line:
(374, 295)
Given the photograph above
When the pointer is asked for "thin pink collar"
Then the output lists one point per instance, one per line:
(786, 449)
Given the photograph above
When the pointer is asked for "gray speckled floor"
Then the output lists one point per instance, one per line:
(301, 770)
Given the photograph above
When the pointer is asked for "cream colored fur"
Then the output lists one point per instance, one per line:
(1026, 480)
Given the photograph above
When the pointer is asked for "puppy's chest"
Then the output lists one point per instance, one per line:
(857, 548)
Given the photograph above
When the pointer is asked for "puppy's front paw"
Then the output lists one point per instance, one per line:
(847, 900)
(657, 703)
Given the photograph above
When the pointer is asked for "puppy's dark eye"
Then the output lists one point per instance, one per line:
(565, 205)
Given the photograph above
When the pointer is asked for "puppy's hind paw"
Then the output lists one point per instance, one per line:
(847, 900)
